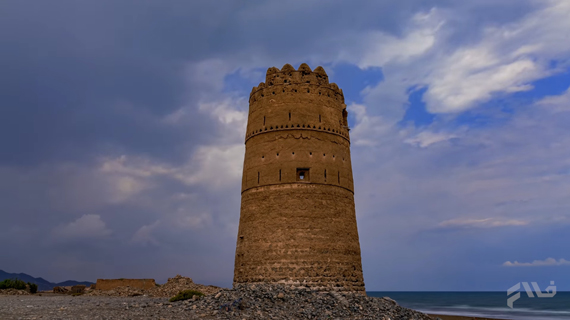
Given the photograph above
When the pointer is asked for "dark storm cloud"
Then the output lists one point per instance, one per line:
(79, 76)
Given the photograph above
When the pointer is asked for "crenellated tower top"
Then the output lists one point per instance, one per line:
(298, 79)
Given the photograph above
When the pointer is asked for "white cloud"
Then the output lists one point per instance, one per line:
(481, 223)
(87, 226)
(427, 138)
(555, 104)
(144, 236)
(538, 263)
(382, 48)
(504, 59)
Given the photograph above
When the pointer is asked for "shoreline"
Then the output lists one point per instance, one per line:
(453, 317)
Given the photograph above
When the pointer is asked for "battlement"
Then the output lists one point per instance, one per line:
(303, 80)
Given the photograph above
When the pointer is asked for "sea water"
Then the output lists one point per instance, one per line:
(483, 304)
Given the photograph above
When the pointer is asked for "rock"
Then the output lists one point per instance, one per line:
(390, 300)
(14, 292)
(60, 290)
(78, 289)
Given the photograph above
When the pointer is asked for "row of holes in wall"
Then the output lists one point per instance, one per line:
(345, 134)
(310, 153)
(336, 96)
(302, 175)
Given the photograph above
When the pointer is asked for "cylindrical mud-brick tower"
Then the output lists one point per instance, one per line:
(298, 224)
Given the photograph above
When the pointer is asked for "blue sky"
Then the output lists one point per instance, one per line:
(122, 133)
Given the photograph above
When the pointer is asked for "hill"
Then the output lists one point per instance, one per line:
(42, 283)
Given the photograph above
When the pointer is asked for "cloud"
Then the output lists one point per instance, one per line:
(88, 226)
(427, 138)
(187, 219)
(555, 104)
(506, 59)
(144, 235)
(383, 48)
(500, 60)
(481, 223)
(538, 263)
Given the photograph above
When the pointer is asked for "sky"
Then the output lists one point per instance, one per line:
(122, 127)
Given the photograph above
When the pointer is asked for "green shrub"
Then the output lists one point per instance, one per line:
(13, 284)
(185, 295)
(33, 287)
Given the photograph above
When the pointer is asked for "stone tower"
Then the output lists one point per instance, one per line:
(297, 223)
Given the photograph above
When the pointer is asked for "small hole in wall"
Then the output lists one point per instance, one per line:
(303, 174)
(279, 174)
(284, 81)
(295, 90)
(293, 153)
(310, 153)
(278, 154)
(286, 126)
(262, 157)
(283, 90)
(324, 155)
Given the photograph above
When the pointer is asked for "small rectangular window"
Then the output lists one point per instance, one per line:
(258, 177)
(303, 174)
(339, 177)
(279, 174)
(325, 174)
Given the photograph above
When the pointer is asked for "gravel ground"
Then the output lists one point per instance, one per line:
(86, 307)
(261, 302)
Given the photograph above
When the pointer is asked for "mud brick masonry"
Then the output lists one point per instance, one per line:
(297, 222)
(109, 284)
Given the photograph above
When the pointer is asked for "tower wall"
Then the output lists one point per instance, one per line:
(297, 221)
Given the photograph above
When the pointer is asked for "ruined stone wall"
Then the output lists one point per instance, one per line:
(297, 222)
(109, 284)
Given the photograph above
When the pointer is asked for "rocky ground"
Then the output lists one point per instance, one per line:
(260, 302)
(169, 289)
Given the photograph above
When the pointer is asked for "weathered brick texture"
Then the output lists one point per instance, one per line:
(297, 222)
(109, 284)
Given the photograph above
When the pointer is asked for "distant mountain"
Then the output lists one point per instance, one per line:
(42, 283)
